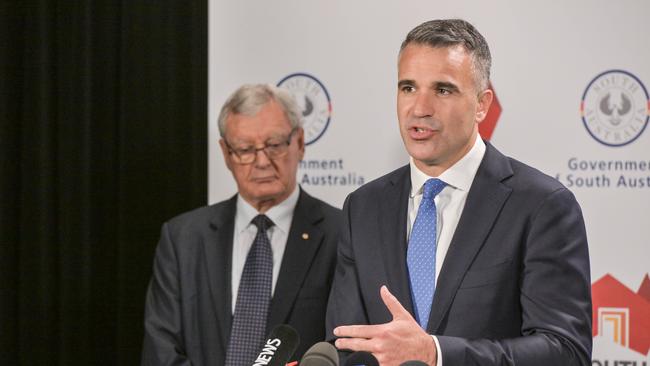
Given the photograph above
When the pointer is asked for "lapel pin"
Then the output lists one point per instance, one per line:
(305, 236)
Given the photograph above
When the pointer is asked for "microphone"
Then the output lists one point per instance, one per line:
(279, 347)
(413, 363)
(320, 354)
(361, 358)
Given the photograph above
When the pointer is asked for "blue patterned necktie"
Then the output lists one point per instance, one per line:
(421, 253)
(253, 299)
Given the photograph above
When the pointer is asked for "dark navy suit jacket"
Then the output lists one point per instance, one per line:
(514, 288)
(188, 310)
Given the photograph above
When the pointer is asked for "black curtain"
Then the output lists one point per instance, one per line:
(103, 136)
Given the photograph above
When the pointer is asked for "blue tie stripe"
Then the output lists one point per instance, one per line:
(421, 253)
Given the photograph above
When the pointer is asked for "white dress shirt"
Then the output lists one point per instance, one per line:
(245, 231)
(449, 202)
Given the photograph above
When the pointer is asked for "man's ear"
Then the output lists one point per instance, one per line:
(301, 141)
(226, 154)
(484, 103)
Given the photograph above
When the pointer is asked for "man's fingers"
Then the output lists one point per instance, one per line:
(396, 309)
(354, 344)
(357, 331)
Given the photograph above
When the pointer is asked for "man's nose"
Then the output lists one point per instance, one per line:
(261, 159)
(423, 105)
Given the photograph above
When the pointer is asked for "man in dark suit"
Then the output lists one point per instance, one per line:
(464, 256)
(226, 274)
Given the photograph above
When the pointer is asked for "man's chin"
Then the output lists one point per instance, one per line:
(423, 154)
(268, 193)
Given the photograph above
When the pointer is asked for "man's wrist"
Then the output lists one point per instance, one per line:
(432, 354)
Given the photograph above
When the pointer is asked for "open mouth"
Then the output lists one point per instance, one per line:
(420, 132)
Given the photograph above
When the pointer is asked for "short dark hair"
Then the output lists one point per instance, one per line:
(452, 32)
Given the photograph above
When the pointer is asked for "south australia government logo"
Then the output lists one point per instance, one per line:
(615, 108)
(315, 102)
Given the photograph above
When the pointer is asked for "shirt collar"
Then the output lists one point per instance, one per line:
(459, 176)
(281, 214)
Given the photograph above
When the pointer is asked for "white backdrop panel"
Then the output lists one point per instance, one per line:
(545, 54)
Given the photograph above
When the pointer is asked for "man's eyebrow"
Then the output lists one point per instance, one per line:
(239, 144)
(445, 85)
(276, 137)
(404, 82)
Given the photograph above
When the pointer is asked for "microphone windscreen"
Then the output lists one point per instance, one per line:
(361, 358)
(413, 363)
(279, 347)
(320, 354)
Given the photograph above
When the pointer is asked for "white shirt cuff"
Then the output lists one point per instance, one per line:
(438, 353)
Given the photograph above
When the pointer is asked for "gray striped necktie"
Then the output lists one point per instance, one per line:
(253, 299)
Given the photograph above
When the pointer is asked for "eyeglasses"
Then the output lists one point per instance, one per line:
(273, 150)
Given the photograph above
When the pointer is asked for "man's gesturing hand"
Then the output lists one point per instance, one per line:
(391, 343)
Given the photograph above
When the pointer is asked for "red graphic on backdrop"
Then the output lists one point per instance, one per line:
(621, 314)
(486, 128)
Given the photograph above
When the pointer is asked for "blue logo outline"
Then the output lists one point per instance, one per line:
(584, 95)
(327, 95)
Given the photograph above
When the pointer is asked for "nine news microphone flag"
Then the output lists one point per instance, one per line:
(320, 354)
(279, 347)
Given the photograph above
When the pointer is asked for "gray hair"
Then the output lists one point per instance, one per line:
(249, 99)
(452, 32)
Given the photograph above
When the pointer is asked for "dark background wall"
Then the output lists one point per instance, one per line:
(102, 138)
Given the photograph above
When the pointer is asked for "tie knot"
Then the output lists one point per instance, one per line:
(262, 222)
(432, 187)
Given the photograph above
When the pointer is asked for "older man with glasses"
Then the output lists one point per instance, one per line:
(225, 274)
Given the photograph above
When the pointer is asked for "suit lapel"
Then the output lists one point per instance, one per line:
(486, 197)
(218, 257)
(392, 226)
(304, 239)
